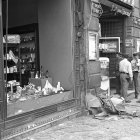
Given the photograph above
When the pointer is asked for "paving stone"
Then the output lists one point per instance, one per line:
(87, 128)
(130, 138)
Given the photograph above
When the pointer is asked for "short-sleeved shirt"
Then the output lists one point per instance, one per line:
(135, 65)
(125, 66)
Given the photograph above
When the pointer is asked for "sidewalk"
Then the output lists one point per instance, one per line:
(130, 91)
(87, 128)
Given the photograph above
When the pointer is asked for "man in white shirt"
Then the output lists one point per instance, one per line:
(136, 73)
(126, 75)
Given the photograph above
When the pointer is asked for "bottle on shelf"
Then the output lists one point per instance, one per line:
(32, 74)
(36, 76)
(41, 72)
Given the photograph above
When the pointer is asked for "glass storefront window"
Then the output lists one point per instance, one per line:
(31, 85)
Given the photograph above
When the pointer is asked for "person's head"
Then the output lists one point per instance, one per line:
(118, 55)
(136, 55)
(125, 56)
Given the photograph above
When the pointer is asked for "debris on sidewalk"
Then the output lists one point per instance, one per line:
(114, 118)
(29, 138)
(110, 108)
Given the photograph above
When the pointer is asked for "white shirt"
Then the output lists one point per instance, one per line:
(135, 65)
(125, 66)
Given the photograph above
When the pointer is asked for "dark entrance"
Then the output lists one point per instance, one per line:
(113, 24)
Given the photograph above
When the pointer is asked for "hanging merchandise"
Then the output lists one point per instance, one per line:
(13, 57)
(36, 76)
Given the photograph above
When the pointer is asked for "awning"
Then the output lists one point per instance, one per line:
(116, 7)
(126, 3)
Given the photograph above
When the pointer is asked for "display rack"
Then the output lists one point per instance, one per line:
(12, 72)
(27, 57)
(19, 60)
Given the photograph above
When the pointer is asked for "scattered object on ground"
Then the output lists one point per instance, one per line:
(107, 107)
(30, 138)
(92, 101)
(114, 118)
(93, 104)
(117, 100)
(103, 114)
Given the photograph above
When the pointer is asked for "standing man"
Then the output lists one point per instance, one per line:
(136, 73)
(126, 75)
(118, 82)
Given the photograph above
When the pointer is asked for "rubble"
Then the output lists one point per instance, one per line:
(105, 107)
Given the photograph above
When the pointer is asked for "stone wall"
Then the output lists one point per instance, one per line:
(87, 73)
(132, 25)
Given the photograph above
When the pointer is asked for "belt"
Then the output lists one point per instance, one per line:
(135, 71)
(123, 72)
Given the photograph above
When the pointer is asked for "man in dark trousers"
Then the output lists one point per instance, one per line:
(136, 73)
(126, 75)
(118, 83)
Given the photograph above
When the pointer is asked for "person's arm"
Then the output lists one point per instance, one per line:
(132, 64)
(130, 71)
(138, 63)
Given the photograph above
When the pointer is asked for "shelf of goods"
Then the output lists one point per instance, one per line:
(19, 60)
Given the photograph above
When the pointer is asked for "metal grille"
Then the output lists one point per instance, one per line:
(113, 28)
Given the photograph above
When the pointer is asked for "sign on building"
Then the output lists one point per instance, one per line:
(129, 2)
(128, 42)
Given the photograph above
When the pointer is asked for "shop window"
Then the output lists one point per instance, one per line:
(29, 86)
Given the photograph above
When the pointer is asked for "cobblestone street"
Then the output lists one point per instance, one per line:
(87, 128)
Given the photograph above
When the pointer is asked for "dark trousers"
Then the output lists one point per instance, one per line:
(136, 78)
(118, 84)
(124, 79)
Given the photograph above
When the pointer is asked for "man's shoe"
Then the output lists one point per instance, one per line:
(128, 101)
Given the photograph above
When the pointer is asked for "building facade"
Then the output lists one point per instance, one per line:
(120, 19)
(58, 37)
(62, 37)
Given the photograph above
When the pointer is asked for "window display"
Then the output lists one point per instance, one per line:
(24, 84)
(40, 64)
(19, 66)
